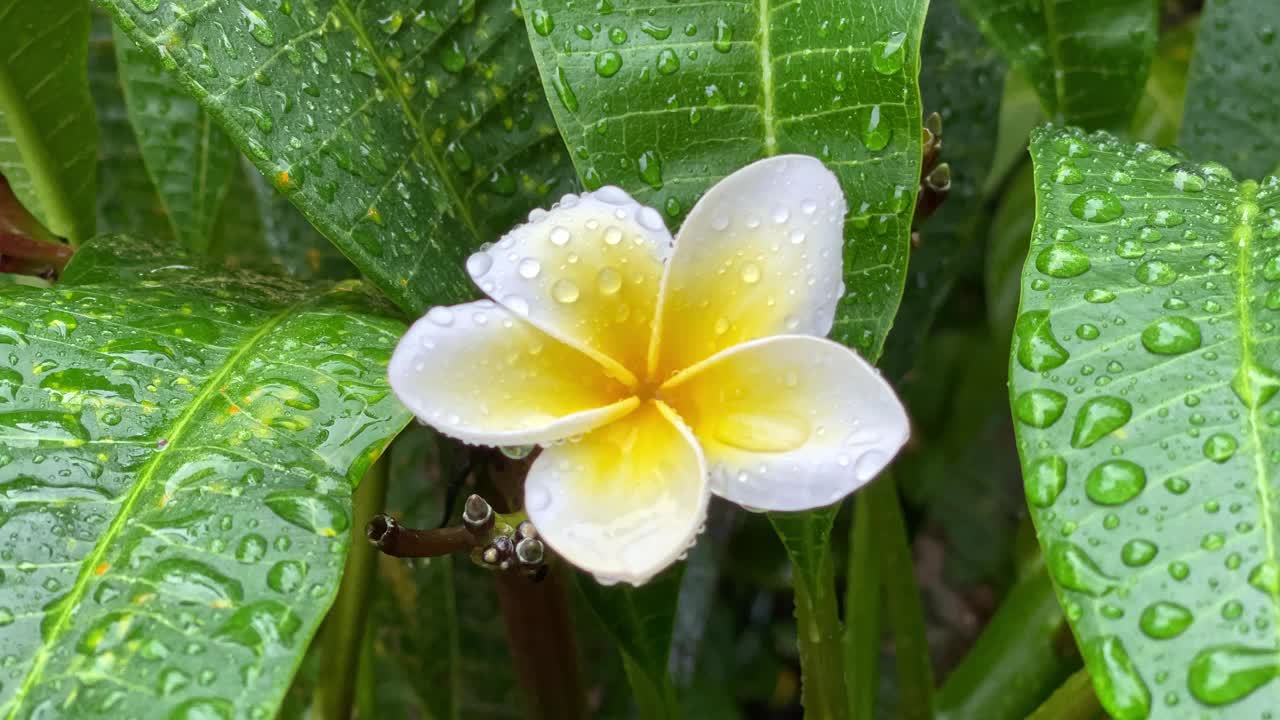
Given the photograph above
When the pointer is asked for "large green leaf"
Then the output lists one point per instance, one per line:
(1087, 59)
(48, 136)
(1143, 373)
(189, 159)
(1234, 116)
(407, 136)
(177, 452)
(666, 100)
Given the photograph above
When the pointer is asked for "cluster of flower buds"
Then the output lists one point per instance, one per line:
(506, 546)
(935, 176)
(497, 542)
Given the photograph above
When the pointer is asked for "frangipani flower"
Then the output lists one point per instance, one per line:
(656, 373)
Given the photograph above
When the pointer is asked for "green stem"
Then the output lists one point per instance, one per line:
(862, 614)
(902, 601)
(1073, 700)
(344, 627)
(818, 631)
(1024, 652)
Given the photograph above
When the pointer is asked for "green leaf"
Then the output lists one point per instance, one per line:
(1160, 111)
(1087, 59)
(179, 448)
(1143, 374)
(704, 89)
(127, 200)
(807, 538)
(48, 135)
(641, 621)
(1233, 115)
(259, 228)
(407, 137)
(189, 159)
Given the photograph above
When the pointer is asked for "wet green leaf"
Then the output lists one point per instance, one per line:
(1143, 379)
(704, 89)
(48, 136)
(1087, 59)
(189, 159)
(408, 137)
(641, 621)
(177, 452)
(1233, 114)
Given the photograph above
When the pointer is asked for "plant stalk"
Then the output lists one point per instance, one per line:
(902, 601)
(1024, 652)
(540, 638)
(1073, 700)
(862, 614)
(345, 625)
(819, 636)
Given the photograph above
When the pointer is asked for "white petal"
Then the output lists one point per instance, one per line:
(626, 500)
(760, 254)
(586, 272)
(480, 374)
(790, 422)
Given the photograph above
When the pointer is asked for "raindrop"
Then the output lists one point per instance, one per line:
(310, 511)
(1138, 552)
(542, 22)
(1037, 349)
(529, 268)
(1045, 479)
(668, 61)
(875, 134)
(750, 273)
(650, 166)
(479, 263)
(1225, 674)
(1072, 567)
(1098, 206)
(1156, 272)
(1166, 218)
(608, 281)
(1120, 688)
(1062, 260)
(1220, 447)
(1164, 620)
(608, 63)
(565, 291)
(655, 31)
(1099, 417)
(723, 40)
(1115, 482)
(887, 55)
(1040, 408)
(1171, 335)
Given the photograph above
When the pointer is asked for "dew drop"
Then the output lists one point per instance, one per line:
(1164, 620)
(1097, 206)
(1115, 482)
(1045, 479)
(1038, 350)
(565, 291)
(608, 281)
(1040, 408)
(1173, 335)
(1062, 260)
(1098, 418)
(1226, 674)
(887, 55)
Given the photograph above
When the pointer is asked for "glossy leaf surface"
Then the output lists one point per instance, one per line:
(1234, 115)
(407, 136)
(188, 158)
(1143, 378)
(177, 451)
(1087, 59)
(664, 101)
(48, 136)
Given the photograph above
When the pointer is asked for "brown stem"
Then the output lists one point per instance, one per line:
(540, 637)
(394, 539)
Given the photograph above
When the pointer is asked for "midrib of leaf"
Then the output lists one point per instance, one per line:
(40, 162)
(1243, 230)
(424, 141)
(766, 81)
(72, 600)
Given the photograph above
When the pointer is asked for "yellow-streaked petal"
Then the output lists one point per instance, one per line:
(759, 255)
(587, 272)
(481, 374)
(626, 500)
(789, 422)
